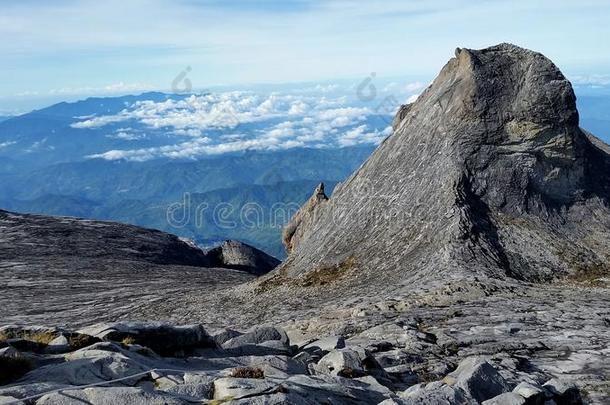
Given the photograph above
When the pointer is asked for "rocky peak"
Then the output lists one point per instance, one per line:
(301, 221)
(486, 174)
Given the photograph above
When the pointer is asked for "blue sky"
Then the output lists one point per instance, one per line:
(54, 50)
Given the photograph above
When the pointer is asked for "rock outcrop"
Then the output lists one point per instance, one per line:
(301, 222)
(86, 271)
(237, 255)
(31, 237)
(487, 174)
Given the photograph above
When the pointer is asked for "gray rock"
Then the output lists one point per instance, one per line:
(478, 379)
(60, 344)
(533, 393)
(193, 392)
(341, 362)
(161, 337)
(223, 335)
(10, 400)
(258, 335)
(508, 398)
(37, 236)
(326, 344)
(391, 401)
(490, 149)
(302, 220)
(108, 396)
(237, 255)
(95, 364)
(434, 395)
(563, 392)
(235, 388)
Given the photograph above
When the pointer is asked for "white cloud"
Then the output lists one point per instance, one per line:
(362, 135)
(412, 98)
(237, 121)
(6, 144)
(113, 88)
(97, 122)
(127, 134)
(591, 80)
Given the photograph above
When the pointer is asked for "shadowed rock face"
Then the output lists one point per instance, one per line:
(486, 174)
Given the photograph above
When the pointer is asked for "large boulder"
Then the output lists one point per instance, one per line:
(487, 174)
(163, 338)
(434, 394)
(341, 362)
(238, 255)
(563, 392)
(258, 335)
(533, 394)
(98, 363)
(478, 379)
(508, 398)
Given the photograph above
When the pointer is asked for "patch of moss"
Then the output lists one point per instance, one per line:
(328, 274)
(128, 341)
(248, 372)
(43, 338)
(585, 271)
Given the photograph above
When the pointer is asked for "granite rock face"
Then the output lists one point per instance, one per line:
(33, 237)
(237, 255)
(87, 271)
(487, 174)
(303, 219)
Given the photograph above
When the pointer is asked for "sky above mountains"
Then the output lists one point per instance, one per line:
(64, 49)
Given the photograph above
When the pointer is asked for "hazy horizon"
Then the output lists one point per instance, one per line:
(71, 49)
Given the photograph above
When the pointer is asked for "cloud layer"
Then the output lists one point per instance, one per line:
(214, 123)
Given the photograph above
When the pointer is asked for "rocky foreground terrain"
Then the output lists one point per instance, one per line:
(466, 262)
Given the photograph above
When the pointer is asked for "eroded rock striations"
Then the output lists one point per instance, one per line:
(31, 237)
(84, 271)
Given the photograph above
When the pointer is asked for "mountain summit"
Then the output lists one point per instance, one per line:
(486, 174)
